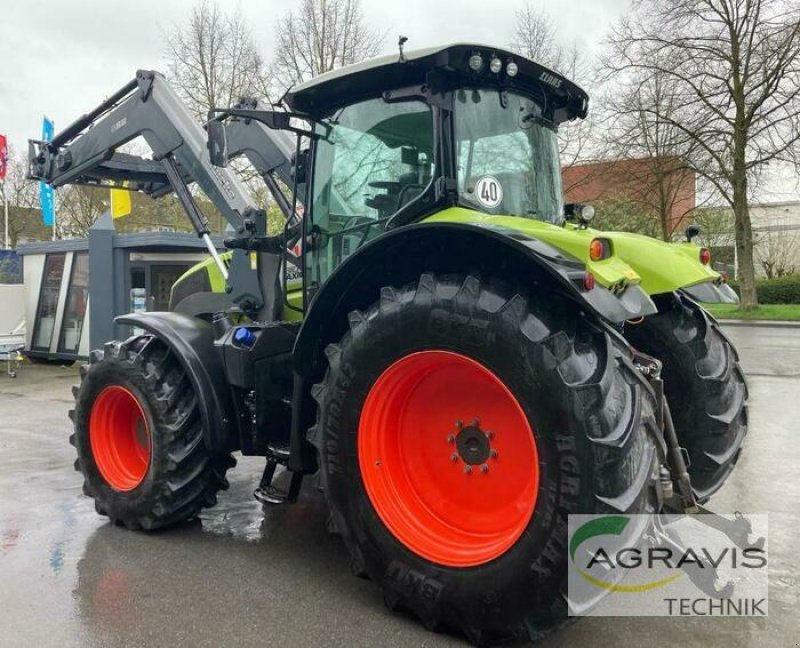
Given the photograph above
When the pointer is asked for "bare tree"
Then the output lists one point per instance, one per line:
(654, 155)
(735, 65)
(622, 213)
(78, 208)
(777, 248)
(24, 213)
(716, 228)
(214, 60)
(320, 36)
(536, 37)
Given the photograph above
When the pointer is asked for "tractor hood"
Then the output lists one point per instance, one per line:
(657, 266)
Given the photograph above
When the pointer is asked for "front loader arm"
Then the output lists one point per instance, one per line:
(86, 152)
(268, 151)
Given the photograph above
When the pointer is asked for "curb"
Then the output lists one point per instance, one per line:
(768, 323)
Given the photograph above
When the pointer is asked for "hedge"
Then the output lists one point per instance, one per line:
(783, 290)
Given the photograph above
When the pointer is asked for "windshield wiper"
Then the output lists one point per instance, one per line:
(539, 121)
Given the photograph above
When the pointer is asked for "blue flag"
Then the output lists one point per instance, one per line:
(45, 190)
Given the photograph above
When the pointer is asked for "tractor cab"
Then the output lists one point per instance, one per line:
(399, 138)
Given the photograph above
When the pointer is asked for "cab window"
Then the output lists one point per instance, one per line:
(371, 160)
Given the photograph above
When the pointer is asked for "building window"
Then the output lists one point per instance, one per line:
(75, 311)
(48, 301)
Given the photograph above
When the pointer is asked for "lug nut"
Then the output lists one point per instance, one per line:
(454, 457)
(468, 469)
(484, 468)
(459, 424)
(489, 435)
(493, 453)
(451, 438)
(476, 422)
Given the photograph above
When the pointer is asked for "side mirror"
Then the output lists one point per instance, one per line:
(299, 166)
(692, 231)
(217, 143)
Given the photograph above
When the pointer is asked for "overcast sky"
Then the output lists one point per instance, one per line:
(62, 57)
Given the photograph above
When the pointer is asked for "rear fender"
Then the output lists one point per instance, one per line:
(402, 255)
(712, 292)
(192, 340)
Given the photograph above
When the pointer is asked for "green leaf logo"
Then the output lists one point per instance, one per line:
(608, 525)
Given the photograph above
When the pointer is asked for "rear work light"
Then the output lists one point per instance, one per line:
(599, 249)
(705, 256)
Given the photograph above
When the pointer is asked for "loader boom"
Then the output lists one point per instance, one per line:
(86, 152)
(268, 150)
(149, 108)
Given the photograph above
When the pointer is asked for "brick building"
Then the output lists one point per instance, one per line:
(664, 186)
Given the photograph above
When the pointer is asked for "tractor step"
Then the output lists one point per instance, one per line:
(266, 493)
(279, 451)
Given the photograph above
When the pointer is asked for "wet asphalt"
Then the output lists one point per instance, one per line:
(246, 576)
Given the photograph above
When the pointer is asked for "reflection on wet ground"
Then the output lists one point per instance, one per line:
(244, 575)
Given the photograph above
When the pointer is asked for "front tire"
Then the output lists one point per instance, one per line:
(573, 391)
(139, 437)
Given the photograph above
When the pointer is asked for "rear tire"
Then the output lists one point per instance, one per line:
(592, 419)
(143, 456)
(704, 385)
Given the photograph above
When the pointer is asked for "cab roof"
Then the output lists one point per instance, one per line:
(370, 78)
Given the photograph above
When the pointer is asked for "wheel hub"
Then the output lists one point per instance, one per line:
(473, 445)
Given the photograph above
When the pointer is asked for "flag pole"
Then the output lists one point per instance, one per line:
(4, 178)
(45, 190)
(5, 210)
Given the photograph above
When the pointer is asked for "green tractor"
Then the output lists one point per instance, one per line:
(453, 353)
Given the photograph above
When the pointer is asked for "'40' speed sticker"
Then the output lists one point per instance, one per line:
(489, 191)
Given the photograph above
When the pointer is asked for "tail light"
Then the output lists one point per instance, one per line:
(705, 256)
(599, 249)
(588, 281)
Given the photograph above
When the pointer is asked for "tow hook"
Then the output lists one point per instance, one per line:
(700, 571)
(738, 529)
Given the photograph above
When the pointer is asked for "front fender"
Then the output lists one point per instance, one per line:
(402, 255)
(192, 340)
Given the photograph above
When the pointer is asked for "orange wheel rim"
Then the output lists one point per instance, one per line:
(448, 458)
(120, 438)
